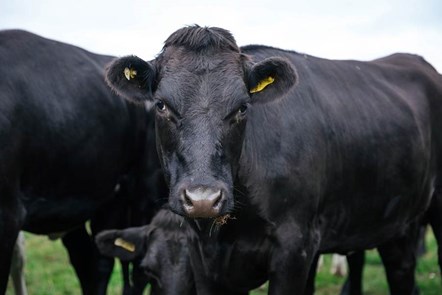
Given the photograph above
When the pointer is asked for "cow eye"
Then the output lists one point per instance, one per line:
(237, 114)
(161, 106)
(243, 109)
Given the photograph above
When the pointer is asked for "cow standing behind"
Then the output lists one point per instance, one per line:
(344, 161)
(66, 141)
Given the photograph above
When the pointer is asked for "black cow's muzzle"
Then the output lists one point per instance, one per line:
(203, 201)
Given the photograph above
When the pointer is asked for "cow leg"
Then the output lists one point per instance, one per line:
(7, 236)
(12, 216)
(81, 255)
(17, 267)
(127, 288)
(104, 265)
(421, 245)
(310, 286)
(399, 259)
(292, 256)
(435, 218)
(353, 283)
(139, 278)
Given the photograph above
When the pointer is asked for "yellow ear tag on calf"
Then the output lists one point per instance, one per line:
(129, 73)
(124, 244)
(262, 84)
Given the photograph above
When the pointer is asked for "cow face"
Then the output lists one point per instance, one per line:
(164, 254)
(202, 87)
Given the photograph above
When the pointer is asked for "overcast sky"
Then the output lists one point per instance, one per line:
(332, 29)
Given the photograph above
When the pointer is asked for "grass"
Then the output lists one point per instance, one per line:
(48, 272)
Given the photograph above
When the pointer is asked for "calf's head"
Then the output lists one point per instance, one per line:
(163, 249)
(202, 86)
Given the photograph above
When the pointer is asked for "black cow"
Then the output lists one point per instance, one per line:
(163, 249)
(344, 161)
(66, 141)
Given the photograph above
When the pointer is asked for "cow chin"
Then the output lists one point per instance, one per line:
(201, 201)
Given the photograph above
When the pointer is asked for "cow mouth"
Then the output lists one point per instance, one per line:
(208, 227)
(221, 220)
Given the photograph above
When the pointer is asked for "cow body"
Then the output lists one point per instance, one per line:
(344, 161)
(66, 139)
(354, 141)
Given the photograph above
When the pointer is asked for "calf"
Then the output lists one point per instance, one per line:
(66, 141)
(344, 161)
(163, 249)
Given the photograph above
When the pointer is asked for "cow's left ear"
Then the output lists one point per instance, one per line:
(126, 244)
(271, 79)
(132, 78)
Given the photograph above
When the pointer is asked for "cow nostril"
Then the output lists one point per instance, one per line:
(187, 200)
(217, 201)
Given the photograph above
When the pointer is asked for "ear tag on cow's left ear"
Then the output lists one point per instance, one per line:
(124, 244)
(262, 84)
(129, 73)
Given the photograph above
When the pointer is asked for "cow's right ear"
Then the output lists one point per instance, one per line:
(132, 78)
(126, 244)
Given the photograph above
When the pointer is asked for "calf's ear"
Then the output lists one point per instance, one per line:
(126, 244)
(271, 79)
(132, 78)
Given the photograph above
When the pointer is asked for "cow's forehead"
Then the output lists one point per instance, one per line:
(192, 79)
(199, 62)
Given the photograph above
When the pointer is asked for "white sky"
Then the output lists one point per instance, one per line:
(342, 29)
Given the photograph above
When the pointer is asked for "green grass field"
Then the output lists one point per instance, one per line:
(49, 272)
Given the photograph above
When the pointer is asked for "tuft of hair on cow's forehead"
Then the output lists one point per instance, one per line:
(201, 69)
(175, 59)
(196, 38)
(199, 49)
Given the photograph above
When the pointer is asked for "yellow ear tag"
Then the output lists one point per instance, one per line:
(129, 73)
(124, 244)
(262, 84)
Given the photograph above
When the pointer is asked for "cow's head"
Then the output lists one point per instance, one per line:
(202, 87)
(163, 249)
